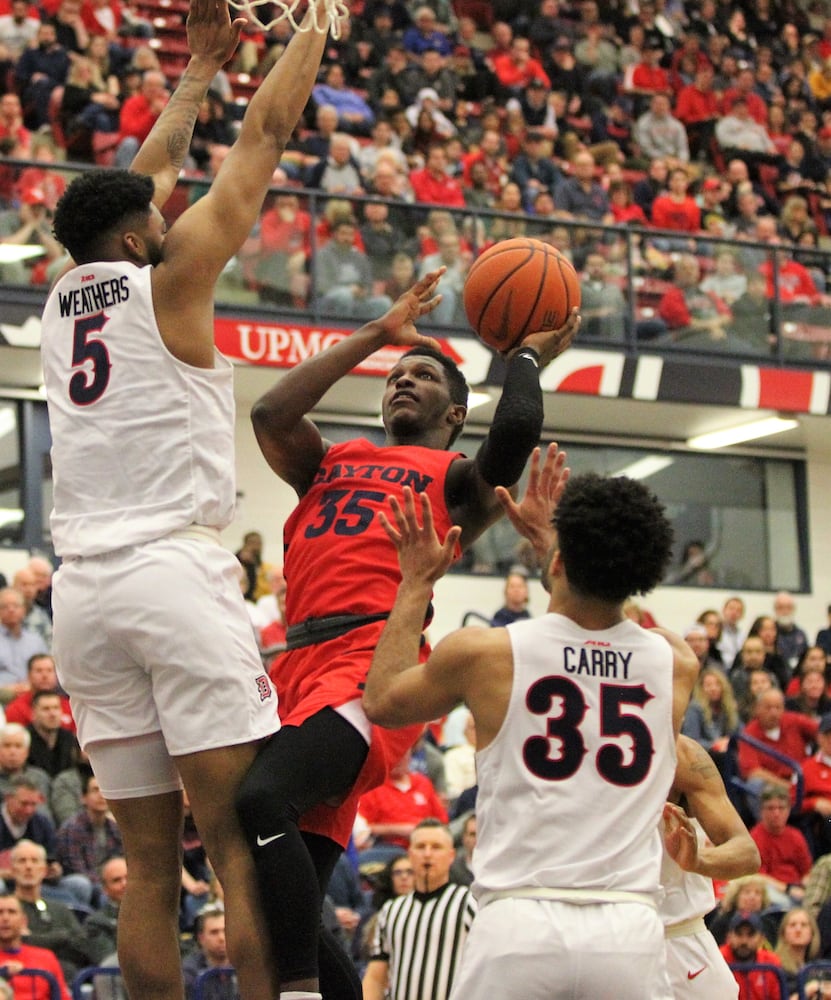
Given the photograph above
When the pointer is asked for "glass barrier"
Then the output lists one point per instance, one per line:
(330, 258)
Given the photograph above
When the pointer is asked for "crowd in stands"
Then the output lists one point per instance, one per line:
(693, 122)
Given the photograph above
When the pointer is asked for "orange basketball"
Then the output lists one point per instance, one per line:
(518, 287)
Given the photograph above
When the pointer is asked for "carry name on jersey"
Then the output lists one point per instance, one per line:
(573, 786)
(142, 443)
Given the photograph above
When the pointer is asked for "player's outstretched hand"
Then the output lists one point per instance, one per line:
(422, 555)
(212, 35)
(532, 515)
(551, 343)
(680, 838)
(398, 322)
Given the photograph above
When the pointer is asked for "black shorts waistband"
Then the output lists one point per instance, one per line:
(315, 630)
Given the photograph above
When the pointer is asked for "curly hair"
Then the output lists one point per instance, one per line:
(614, 537)
(97, 204)
(458, 384)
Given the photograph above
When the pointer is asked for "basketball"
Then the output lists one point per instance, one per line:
(518, 287)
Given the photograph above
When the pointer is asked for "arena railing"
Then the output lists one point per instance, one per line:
(814, 981)
(639, 263)
(34, 988)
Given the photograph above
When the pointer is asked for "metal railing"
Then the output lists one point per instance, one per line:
(281, 278)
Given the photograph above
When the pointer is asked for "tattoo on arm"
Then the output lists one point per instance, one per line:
(703, 764)
(182, 118)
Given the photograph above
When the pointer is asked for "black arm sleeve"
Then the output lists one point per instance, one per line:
(517, 423)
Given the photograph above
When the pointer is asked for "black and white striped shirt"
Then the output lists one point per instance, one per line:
(421, 936)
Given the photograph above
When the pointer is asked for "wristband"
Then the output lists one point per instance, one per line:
(529, 353)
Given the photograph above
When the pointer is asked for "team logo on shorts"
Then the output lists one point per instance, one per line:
(263, 687)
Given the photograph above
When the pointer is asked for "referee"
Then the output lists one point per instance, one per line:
(419, 937)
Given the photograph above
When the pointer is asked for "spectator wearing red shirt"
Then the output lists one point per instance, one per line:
(433, 185)
(789, 733)
(817, 775)
(517, 68)
(139, 114)
(786, 857)
(284, 250)
(744, 945)
(694, 315)
(394, 809)
(623, 207)
(798, 296)
(16, 956)
(648, 77)
(796, 286)
(697, 108)
(103, 17)
(492, 156)
(676, 209)
(41, 677)
(744, 86)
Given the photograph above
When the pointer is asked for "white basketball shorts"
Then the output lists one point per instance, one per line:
(155, 639)
(697, 968)
(541, 949)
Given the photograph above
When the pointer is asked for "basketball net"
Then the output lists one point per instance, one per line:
(335, 11)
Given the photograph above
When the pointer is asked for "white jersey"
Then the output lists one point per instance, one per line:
(573, 786)
(142, 443)
(686, 895)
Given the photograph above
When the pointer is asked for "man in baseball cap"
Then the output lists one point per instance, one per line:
(744, 944)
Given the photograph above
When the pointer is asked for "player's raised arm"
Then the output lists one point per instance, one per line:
(209, 233)
(212, 39)
(289, 441)
(533, 515)
(514, 432)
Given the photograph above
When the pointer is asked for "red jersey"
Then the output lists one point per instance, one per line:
(761, 984)
(36, 988)
(338, 560)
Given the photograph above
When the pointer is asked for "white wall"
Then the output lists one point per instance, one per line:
(267, 502)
